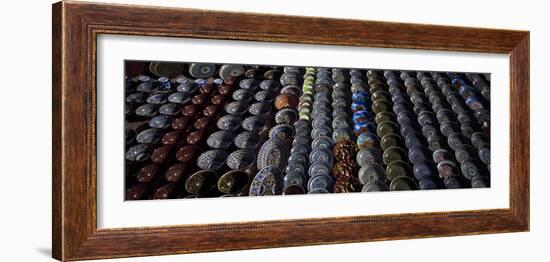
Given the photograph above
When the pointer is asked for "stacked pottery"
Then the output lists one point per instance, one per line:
(345, 168)
(321, 157)
(268, 130)
(428, 94)
(481, 83)
(459, 126)
(274, 152)
(396, 128)
(191, 143)
(371, 173)
(477, 101)
(426, 137)
(176, 112)
(241, 126)
(295, 180)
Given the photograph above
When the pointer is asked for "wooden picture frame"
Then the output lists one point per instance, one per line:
(76, 26)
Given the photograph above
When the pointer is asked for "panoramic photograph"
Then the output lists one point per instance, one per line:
(202, 130)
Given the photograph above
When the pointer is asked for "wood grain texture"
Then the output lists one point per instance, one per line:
(76, 26)
(519, 129)
(57, 196)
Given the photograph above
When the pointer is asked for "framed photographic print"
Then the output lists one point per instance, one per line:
(181, 130)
